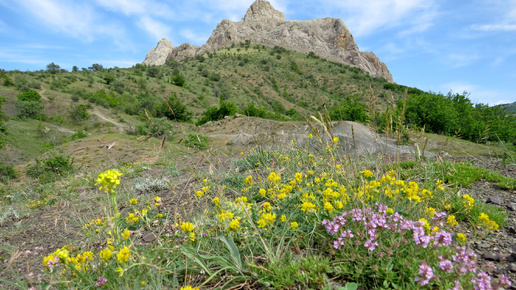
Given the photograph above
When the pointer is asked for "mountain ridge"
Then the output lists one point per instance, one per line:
(327, 37)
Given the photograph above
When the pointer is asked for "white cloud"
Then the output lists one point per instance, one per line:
(495, 27)
(477, 94)
(458, 60)
(137, 7)
(503, 14)
(15, 56)
(154, 28)
(75, 19)
(194, 37)
(366, 16)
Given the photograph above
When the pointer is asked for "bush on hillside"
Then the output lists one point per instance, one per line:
(29, 105)
(215, 114)
(175, 110)
(51, 169)
(349, 110)
(196, 140)
(7, 173)
(159, 128)
(79, 112)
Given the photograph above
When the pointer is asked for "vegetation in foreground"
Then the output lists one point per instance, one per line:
(292, 218)
(304, 216)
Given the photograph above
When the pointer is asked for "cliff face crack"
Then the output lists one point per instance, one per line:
(328, 38)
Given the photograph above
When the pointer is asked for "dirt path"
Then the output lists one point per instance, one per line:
(121, 127)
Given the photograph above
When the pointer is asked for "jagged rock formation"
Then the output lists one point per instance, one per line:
(158, 55)
(327, 37)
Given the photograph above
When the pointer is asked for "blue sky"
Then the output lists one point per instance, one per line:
(434, 45)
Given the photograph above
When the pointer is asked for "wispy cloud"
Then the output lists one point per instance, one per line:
(504, 17)
(458, 60)
(477, 93)
(366, 16)
(137, 7)
(154, 27)
(194, 37)
(75, 19)
(495, 27)
(14, 56)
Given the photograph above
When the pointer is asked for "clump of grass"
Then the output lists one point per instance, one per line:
(196, 140)
(7, 173)
(51, 168)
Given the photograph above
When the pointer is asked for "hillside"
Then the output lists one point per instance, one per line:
(264, 148)
(283, 83)
(511, 108)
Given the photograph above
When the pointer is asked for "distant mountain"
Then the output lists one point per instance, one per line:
(511, 108)
(328, 38)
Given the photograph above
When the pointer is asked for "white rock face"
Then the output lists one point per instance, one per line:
(159, 54)
(328, 38)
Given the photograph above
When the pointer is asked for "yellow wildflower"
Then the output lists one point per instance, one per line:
(430, 211)
(234, 224)
(123, 255)
(335, 140)
(267, 207)
(307, 206)
(133, 201)
(105, 254)
(283, 218)
(192, 236)
(294, 225)
(452, 221)
(328, 207)
(187, 227)
(274, 178)
(109, 180)
(120, 270)
(461, 237)
(189, 288)
(248, 180)
(61, 253)
(367, 173)
(261, 223)
(126, 234)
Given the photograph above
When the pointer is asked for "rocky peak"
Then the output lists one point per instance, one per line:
(159, 54)
(328, 38)
(263, 11)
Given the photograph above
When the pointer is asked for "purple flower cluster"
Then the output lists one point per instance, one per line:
(367, 224)
(364, 227)
(426, 273)
(101, 281)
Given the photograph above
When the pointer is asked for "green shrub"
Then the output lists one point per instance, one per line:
(251, 111)
(7, 172)
(79, 135)
(160, 127)
(215, 114)
(349, 110)
(179, 80)
(196, 140)
(29, 105)
(177, 110)
(79, 112)
(51, 169)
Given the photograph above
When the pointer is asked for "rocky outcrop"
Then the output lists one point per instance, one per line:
(159, 54)
(262, 24)
(182, 51)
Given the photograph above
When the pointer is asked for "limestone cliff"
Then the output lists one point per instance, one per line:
(262, 24)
